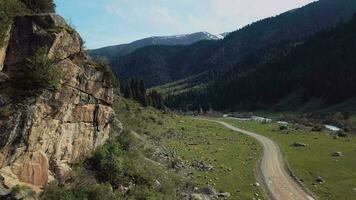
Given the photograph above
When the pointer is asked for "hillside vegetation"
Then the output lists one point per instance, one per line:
(158, 65)
(318, 158)
(322, 67)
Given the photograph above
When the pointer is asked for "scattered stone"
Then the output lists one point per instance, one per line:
(332, 128)
(196, 197)
(337, 154)
(354, 189)
(256, 184)
(201, 166)
(319, 179)
(156, 184)
(224, 195)
(4, 192)
(283, 123)
(298, 144)
(208, 191)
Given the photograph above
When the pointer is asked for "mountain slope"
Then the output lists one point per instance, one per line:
(323, 67)
(200, 57)
(113, 52)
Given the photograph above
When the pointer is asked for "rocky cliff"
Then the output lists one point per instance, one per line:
(42, 136)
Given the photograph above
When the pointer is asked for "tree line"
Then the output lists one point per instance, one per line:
(135, 89)
(321, 67)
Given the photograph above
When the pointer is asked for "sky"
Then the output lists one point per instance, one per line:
(110, 22)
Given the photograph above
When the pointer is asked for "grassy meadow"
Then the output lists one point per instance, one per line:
(316, 159)
(233, 156)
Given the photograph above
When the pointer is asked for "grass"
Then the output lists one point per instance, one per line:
(233, 156)
(315, 160)
(196, 82)
(145, 121)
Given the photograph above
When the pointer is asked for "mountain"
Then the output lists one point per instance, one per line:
(320, 69)
(113, 52)
(163, 64)
(225, 34)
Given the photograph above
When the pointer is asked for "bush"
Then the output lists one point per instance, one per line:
(108, 161)
(341, 134)
(283, 127)
(40, 73)
(40, 6)
(78, 192)
(103, 66)
(8, 10)
(54, 191)
(145, 193)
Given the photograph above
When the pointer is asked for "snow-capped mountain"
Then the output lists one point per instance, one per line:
(113, 52)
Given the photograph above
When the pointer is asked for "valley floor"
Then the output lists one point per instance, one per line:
(213, 155)
(316, 161)
(232, 156)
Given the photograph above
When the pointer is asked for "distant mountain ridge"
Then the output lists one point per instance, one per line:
(314, 74)
(112, 52)
(158, 65)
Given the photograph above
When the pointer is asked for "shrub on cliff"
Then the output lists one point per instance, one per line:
(40, 6)
(39, 73)
(12, 8)
(8, 10)
(103, 66)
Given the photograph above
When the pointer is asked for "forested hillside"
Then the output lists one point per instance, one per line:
(322, 67)
(161, 64)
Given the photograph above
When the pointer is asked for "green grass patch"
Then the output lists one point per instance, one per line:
(143, 120)
(316, 159)
(233, 156)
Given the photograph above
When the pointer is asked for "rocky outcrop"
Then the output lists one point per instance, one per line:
(3, 44)
(45, 135)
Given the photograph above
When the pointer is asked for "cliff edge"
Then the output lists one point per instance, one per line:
(43, 135)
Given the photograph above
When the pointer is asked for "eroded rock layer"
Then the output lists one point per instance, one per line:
(46, 134)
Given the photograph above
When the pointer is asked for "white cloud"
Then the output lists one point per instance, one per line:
(122, 21)
(243, 12)
(150, 15)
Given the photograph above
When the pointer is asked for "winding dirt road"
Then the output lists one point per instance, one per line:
(278, 182)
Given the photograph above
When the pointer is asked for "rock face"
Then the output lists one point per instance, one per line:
(3, 46)
(46, 134)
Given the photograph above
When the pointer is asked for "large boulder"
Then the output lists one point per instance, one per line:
(54, 130)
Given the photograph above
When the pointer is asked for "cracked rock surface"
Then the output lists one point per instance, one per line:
(46, 135)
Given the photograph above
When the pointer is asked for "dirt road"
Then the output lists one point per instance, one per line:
(278, 182)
